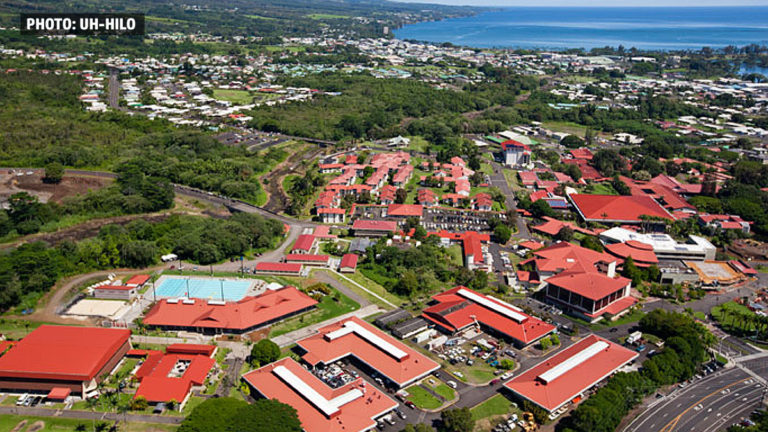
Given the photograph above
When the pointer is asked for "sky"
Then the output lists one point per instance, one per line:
(598, 3)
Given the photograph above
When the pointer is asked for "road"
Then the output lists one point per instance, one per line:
(114, 89)
(498, 180)
(709, 404)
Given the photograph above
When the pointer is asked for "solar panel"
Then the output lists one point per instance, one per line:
(572, 362)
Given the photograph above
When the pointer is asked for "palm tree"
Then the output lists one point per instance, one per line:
(91, 402)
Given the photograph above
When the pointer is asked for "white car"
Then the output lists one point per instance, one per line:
(451, 384)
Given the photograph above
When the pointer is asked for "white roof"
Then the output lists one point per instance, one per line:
(659, 242)
(499, 306)
(577, 359)
(306, 391)
(372, 338)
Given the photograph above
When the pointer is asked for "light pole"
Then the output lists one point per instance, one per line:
(154, 292)
(187, 280)
(221, 281)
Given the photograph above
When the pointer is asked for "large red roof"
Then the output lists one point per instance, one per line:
(551, 394)
(349, 260)
(612, 208)
(591, 285)
(402, 371)
(157, 383)
(374, 225)
(641, 253)
(357, 415)
(454, 312)
(244, 314)
(405, 210)
(137, 280)
(304, 242)
(564, 256)
(278, 267)
(306, 257)
(63, 353)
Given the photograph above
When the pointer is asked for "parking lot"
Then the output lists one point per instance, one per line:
(457, 220)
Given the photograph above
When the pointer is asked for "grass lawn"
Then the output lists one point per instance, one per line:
(191, 404)
(486, 168)
(370, 286)
(456, 254)
(8, 422)
(603, 188)
(567, 127)
(446, 392)
(700, 315)
(422, 398)
(17, 329)
(327, 308)
(318, 16)
(127, 366)
(626, 319)
(495, 406)
(731, 320)
(259, 17)
(237, 97)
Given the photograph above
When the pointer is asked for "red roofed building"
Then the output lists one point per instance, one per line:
(387, 194)
(137, 280)
(348, 263)
(567, 375)
(402, 175)
(172, 376)
(404, 210)
(369, 346)
(373, 228)
(617, 209)
(353, 407)
(582, 154)
(426, 197)
(563, 256)
(308, 259)
(553, 226)
(461, 307)
(641, 253)
(290, 269)
(482, 202)
(473, 250)
(117, 292)
(241, 316)
(591, 294)
(303, 244)
(516, 153)
(331, 215)
(63, 357)
(724, 222)
(663, 194)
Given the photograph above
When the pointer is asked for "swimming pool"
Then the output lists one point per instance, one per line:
(203, 288)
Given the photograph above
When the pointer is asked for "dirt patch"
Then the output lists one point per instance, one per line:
(19, 426)
(36, 426)
(273, 181)
(258, 335)
(71, 185)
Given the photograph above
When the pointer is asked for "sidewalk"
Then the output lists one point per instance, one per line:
(296, 335)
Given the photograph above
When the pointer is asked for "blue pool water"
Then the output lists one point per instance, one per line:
(203, 288)
(652, 28)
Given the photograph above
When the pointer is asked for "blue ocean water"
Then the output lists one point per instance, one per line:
(672, 28)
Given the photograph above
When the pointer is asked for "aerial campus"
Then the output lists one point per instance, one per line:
(282, 218)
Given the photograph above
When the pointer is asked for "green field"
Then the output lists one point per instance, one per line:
(9, 422)
(604, 188)
(237, 97)
(319, 16)
(495, 406)
(259, 17)
(732, 318)
(422, 398)
(327, 308)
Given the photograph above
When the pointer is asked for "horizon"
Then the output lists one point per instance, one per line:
(594, 4)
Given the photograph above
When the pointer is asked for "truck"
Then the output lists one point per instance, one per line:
(634, 337)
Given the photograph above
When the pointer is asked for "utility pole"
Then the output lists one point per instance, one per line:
(222, 289)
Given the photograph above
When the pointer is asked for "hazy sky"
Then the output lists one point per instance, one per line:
(594, 3)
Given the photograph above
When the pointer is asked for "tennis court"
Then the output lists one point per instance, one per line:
(203, 288)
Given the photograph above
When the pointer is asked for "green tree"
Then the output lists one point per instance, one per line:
(456, 420)
(265, 415)
(264, 352)
(572, 142)
(502, 233)
(54, 173)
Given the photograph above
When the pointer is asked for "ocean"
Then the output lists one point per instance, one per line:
(672, 28)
